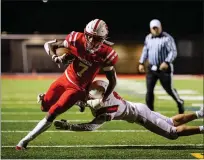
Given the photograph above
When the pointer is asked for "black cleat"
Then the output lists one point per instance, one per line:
(181, 107)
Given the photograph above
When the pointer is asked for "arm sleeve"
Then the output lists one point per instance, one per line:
(71, 39)
(110, 60)
(70, 42)
(46, 47)
(144, 55)
(91, 126)
(172, 51)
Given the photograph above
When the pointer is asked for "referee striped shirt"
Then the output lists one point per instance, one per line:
(159, 49)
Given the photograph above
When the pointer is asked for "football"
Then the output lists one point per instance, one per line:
(61, 51)
(68, 58)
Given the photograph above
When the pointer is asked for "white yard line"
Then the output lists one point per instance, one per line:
(112, 145)
(180, 92)
(184, 97)
(77, 112)
(57, 131)
(197, 104)
(34, 121)
(18, 102)
(39, 113)
(75, 120)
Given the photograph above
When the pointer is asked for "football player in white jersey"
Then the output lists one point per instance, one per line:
(115, 108)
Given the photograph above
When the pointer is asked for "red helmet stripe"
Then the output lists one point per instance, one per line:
(96, 25)
(75, 37)
(70, 36)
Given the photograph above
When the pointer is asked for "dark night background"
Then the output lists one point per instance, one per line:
(127, 21)
(123, 17)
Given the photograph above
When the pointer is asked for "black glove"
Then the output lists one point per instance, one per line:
(62, 124)
(81, 105)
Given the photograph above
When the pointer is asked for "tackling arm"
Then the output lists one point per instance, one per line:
(91, 126)
(101, 113)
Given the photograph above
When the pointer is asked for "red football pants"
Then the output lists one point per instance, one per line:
(61, 96)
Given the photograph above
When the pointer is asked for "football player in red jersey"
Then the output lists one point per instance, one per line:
(89, 52)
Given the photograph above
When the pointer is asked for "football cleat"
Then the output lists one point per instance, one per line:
(200, 113)
(181, 107)
(21, 146)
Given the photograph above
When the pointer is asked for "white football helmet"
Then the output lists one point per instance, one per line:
(96, 33)
(97, 89)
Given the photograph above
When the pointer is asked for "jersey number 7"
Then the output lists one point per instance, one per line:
(84, 68)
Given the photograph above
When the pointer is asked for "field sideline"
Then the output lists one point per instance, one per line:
(117, 139)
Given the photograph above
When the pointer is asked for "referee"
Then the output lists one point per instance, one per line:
(160, 50)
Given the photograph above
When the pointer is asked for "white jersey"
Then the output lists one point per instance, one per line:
(115, 108)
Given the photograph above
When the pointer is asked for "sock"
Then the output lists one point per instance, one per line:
(201, 129)
(42, 126)
(198, 114)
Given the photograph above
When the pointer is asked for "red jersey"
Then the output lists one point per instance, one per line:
(85, 67)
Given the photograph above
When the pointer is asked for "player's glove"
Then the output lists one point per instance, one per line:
(81, 105)
(62, 124)
(59, 59)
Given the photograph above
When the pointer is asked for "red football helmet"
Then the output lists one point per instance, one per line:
(96, 33)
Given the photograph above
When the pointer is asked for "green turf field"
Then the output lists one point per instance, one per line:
(116, 139)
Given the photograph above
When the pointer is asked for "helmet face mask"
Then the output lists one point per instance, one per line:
(93, 42)
(95, 33)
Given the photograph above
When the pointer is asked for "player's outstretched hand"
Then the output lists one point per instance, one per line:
(62, 124)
